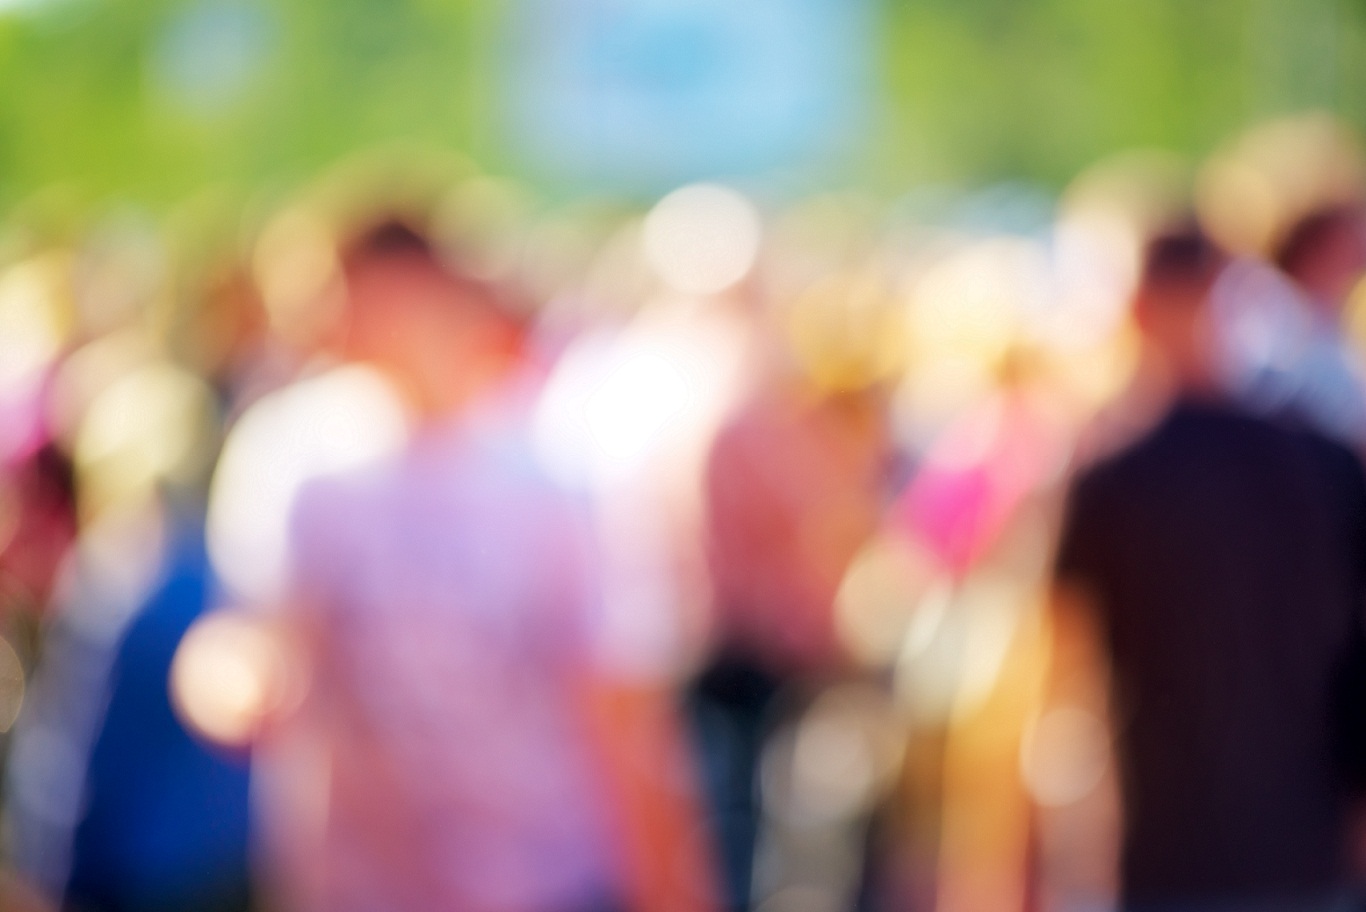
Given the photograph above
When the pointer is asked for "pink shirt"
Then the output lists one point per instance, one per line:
(794, 488)
(452, 590)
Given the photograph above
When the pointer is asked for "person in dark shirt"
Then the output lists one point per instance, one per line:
(1214, 568)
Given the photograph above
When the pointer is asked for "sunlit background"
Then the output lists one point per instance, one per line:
(157, 102)
(825, 296)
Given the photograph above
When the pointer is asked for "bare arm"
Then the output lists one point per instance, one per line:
(1068, 762)
(667, 863)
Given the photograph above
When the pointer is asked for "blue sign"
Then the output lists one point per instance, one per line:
(643, 95)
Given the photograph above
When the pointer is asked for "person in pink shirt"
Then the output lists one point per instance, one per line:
(445, 599)
(795, 486)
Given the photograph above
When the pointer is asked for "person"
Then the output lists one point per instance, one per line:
(1324, 255)
(444, 600)
(794, 487)
(165, 819)
(112, 803)
(1209, 578)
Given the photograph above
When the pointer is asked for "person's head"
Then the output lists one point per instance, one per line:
(1325, 253)
(439, 335)
(1171, 308)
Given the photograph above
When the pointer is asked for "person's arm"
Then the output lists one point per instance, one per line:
(1068, 763)
(667, 862)
(631, 712)
(1078, 672)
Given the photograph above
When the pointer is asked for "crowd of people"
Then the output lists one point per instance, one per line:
(401, 543)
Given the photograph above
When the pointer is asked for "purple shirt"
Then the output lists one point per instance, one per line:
(452, 590)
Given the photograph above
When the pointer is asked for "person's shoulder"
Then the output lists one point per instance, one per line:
(1296, 423)
(1121, 432)
(330, 504)
(1327, 453)
(1112, 445)
(497, 454)
(1126, 453)
(1198, 424)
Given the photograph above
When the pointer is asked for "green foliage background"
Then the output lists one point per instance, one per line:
(972, 90)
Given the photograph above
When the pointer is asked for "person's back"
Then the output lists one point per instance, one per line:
(1225, 554)
(448, 594)
(165, 816)
(442, 600)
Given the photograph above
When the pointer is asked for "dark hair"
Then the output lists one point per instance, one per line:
(1311, 232)
(386, 239)
(1183, 257)
(395, 238)
(54, 469)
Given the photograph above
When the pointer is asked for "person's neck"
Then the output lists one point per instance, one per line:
(1164, 380)
(437, 401)
(1197, 385)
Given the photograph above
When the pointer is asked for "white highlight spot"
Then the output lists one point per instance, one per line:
(333, 423)
(702, 239)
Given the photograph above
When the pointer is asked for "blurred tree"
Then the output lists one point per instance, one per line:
(154, 99)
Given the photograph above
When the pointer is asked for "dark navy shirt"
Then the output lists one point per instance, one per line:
(1226, 554)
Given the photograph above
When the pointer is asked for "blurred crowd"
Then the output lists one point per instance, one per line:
(403, 541)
